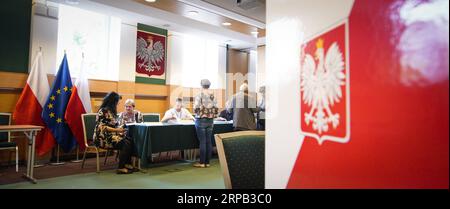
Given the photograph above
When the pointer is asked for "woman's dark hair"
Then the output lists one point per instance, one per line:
(110, 102)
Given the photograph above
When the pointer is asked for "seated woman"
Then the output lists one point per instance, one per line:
(131, 115)
(177, 113)
(109, 135)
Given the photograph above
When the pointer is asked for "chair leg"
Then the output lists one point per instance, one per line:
(117, 155)
(98, 161)
(139, 163)
(17, 159)
(106, 157)
(9, 159)
(84, 158)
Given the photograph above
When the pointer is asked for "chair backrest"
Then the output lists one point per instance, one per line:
(241, 156)
(150, 117)
(5, 119)
(89, 122)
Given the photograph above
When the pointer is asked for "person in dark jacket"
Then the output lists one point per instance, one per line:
(243, 106)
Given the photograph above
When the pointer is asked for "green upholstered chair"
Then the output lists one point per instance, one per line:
(241, 156)
(89, 122)
(5, 139)
(151, 117)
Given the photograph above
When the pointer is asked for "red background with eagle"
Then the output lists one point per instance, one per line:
(156, 38)
(399, 130)
(335, 35)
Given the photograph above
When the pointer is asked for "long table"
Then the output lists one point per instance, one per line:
(158, 137)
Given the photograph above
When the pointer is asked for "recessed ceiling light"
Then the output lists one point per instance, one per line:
(226, 24)
(254, 32)
(193, 13)
(151, 1)
(73, 2)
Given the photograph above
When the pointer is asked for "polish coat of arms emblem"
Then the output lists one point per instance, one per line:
(324, 87)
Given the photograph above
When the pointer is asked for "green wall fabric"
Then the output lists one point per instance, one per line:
(15, 23)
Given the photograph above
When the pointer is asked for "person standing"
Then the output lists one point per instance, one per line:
(205, 109)
(243, 106)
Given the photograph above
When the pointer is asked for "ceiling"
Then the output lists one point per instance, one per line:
(174, 16)
(210, 14)
(254, 9)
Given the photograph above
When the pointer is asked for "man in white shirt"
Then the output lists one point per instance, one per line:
(177, 113)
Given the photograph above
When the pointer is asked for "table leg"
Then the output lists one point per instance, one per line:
(33, 154)
(30, 144)
(30, 156)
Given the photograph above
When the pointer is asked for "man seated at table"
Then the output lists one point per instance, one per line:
(177, 113)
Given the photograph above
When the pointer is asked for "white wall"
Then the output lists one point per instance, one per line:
(252, 70)
(127, 63)
(174, 59)
(175, 62)
(261, 67)
(45, 35)
(289, 23)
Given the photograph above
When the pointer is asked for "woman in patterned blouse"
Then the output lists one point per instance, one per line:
(205, 108)
(130, 115)
(109, 135)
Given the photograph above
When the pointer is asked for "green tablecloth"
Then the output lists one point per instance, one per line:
(156, 137)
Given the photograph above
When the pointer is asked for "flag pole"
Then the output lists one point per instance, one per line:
(78, 159)
(36, 163)
(78, 146)
(57, 159)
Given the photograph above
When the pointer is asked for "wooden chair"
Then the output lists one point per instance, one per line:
(89, 122)
(5, 139)
(241, 156)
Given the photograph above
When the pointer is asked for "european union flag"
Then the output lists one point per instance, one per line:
(55, 108)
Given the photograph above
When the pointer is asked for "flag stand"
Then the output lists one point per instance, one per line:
(57, 159)
(78, 159)
(38, 165)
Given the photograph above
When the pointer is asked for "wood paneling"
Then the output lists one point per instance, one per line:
(151, 90)
(237, 70)
(8, 101)
(126, 90)
(12, 80)
(102, 86)
(151, 105)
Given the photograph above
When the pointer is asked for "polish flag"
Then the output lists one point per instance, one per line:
(79, 103)
(29, 107)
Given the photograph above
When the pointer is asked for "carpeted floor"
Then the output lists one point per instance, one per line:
(8, 175)
(171, 175)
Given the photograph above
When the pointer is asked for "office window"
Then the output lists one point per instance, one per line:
(95, 35)
(200, 60)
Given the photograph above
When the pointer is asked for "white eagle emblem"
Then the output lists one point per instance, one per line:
(151, 54)
(321, 86)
